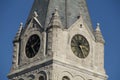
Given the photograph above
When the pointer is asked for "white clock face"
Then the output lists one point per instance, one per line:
(80, 46)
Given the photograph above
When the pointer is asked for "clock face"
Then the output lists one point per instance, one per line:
(80, 46)
(32, 46)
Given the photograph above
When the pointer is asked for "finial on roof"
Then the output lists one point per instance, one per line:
(35, 14)
(98, 24)
(55, 14)
(98, 27)
(19, 32)
(56, 9)
(21, 27)
(98, 34)
(21, 24)
(55, 19)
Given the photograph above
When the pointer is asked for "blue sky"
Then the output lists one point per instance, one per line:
(106, 12)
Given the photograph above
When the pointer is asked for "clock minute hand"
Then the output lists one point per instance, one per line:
(85, 48)
(33, 49)
(82, 50)
(35, 43)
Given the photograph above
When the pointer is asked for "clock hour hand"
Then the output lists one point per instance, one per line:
(33, 49)
(81, 47)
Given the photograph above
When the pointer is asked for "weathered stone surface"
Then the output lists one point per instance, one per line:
(55, 60)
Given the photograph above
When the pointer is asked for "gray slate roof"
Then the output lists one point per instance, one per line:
(69, 11)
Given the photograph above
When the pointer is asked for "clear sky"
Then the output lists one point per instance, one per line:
(106, 12)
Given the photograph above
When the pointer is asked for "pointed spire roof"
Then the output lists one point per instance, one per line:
(98, 34)
(69, 10)
(40, 7)
(18, 33)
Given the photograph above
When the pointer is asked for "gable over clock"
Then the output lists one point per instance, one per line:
(58, 44)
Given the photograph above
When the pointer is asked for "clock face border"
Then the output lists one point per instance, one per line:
(24, 40)
(32, 46)
(80, 46)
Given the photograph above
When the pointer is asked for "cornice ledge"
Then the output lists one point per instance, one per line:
(32, 67)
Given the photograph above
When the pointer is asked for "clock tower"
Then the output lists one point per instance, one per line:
(58, 42)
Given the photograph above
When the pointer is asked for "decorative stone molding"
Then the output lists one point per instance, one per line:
(98, 34)
(18, 34)
(55, 20)
(65, 74)
(82, 70)
(35, 70)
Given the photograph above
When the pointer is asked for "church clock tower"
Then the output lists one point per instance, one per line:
(58, 42)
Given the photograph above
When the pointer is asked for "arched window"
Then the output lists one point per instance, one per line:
(65, 78)
(31, 77)
(41, 78)
(21, 79)
(42, 75)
